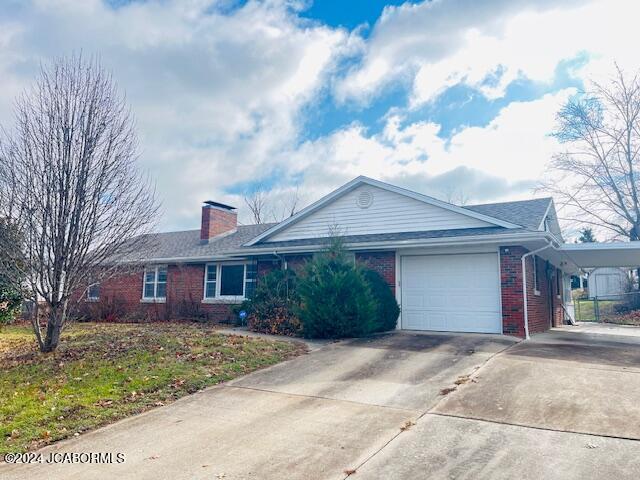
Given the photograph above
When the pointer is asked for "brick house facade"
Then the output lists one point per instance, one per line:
(205, 273)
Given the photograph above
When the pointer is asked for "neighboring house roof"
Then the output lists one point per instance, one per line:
(385, 186)
(187, 244)
(527, 213)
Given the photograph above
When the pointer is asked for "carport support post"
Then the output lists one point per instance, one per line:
(524, 287)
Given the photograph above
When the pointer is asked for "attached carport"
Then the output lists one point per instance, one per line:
(576, 258)
(595, 255)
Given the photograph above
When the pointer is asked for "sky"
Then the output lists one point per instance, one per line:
(451, 98)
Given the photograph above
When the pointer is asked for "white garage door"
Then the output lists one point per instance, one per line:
(453, 293)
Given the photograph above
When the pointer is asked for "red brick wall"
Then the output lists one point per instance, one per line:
(539, 305)
(511, 282)
(185, 291)
(216, 221)
(512, 302)
(382, 262)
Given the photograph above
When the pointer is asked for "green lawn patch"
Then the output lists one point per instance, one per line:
(104, 372)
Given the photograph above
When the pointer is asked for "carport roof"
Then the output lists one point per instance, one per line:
(594, 255)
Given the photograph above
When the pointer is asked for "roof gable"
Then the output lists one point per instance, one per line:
(367, 206)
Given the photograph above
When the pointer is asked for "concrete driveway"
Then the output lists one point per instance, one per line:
(564, 405)
(315, 416)
(566, 380)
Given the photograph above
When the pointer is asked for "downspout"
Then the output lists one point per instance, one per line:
(524, 286)
(282, 259)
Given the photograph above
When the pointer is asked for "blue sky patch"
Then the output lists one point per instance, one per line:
(348, 14)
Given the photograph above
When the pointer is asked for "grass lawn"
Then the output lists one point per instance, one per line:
(104, 372)
(585, 309)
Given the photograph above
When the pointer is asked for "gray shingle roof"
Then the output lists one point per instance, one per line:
(528, 213)
(387, 237)
(186, 244)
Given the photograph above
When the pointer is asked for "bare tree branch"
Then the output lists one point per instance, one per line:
(598, 181)
(271, 206)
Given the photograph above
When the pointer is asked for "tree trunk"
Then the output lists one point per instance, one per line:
(57, 316)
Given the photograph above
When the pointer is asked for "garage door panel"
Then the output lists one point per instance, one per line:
(451, 293)
(414, 301)
(414, 320)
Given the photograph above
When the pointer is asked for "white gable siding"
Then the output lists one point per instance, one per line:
(389, 213)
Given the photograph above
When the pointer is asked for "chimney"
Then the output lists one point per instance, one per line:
(217, 218)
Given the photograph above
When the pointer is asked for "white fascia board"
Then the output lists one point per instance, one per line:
(179, 260)
(600, 246)
(385, 186)
(393, 244)
(544, 217)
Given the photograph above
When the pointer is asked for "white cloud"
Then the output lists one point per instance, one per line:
(220, 98)
(216, 96)
(435, 45)
(502, 160)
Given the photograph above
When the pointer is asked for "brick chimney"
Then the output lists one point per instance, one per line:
(217, 218)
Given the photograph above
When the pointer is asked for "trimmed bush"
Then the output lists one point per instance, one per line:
(273, 306)
(387, 313)
(335, 298)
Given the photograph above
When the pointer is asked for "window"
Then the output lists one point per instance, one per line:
(93, 292)
(155, 283)
(231, 280)
(225, 280)
(210, 281)
(250, 279)
(536, 287)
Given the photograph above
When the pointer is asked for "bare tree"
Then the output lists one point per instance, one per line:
(455, 196)
(256, 201)
(265, 206)
(288, 206)
(70, 186)
(595, 180)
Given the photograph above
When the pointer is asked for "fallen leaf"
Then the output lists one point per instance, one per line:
(462, 379)
(407, 425)
(447, 391)
(154, 457)
(350, 471)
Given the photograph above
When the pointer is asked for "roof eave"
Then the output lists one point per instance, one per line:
(387, 244)
(444, 241)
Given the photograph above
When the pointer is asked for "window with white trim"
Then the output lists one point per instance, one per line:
(93, 292)
(536, 287)
(230, 280)
(155, 283)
